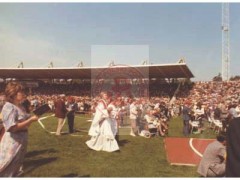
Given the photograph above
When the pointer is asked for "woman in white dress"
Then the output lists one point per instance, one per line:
(102, 130)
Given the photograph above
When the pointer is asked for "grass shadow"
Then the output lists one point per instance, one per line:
(30, 165)
(85, 130)
(123, 142)
(64, 133)
(75, 175)
(39, 152)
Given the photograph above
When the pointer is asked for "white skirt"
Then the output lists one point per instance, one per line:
(105, 140)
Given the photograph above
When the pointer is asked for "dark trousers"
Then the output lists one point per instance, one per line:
(117, 137)
(185, 128)
(70, 119)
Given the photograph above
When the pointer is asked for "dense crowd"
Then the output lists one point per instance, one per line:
(206, 99)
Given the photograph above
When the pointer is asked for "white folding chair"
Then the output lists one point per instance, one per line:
(217, 125)
(193, 125)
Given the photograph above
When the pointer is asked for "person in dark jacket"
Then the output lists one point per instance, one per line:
(60, 112)
(71, 107)
(186, 117)
(233, 148)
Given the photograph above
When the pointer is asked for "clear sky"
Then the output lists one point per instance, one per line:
(128, 33)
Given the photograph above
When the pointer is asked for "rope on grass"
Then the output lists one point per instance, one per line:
(51, 132)
(42, 125)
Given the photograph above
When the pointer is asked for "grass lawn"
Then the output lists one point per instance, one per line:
(68, 156)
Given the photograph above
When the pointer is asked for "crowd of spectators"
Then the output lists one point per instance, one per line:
(208, 97)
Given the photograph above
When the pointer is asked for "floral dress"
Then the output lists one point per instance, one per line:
(13, 145)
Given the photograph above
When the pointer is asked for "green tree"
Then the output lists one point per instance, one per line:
(218, 77)
(235, 78)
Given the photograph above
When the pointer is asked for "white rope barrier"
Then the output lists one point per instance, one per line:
(51, 132)
(42, 125)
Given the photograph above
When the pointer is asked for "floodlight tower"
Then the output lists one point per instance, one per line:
(50, 65)
(80, 64)
(225, 42)
(20, 65)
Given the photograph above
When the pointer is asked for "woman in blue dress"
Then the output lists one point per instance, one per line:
(16, 121)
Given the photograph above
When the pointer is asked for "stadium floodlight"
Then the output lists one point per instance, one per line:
(111, 63)
(50, 65)
(80, 64)
(20, 65)
(225, 42)
(182, 60)
(145, 62)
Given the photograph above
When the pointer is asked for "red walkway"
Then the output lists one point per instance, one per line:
(182, 151)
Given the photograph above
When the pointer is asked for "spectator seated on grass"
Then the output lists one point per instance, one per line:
(154, 124)
(212, 163)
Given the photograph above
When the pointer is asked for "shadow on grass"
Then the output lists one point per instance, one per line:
(123, 142)
(39, 152)
(34, 159)
(30, 165)
(74, 175)
(82, 130)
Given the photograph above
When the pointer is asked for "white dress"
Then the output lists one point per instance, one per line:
(102, 130)
(113, 116)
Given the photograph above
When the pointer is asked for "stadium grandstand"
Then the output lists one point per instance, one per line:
(178, 70)
(80, 79)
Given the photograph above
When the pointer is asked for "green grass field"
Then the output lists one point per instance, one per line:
(68, 156)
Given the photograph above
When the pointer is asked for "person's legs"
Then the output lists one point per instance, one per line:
(133, 127)
(218, 170)
(137, 126)
(59, 127)
(160, 130)
(121, 118)
(70, 124)
(117, 136)
(186, 128)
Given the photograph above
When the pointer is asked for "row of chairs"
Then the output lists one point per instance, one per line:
(196, 123)
(194, 126)
(214, 124)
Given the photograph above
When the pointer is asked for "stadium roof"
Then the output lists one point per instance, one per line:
(177, 70)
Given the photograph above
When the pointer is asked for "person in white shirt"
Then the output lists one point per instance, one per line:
(199, 113)
(154, 122)
(133, 117)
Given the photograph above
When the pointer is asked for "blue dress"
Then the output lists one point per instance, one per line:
(13, 145)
